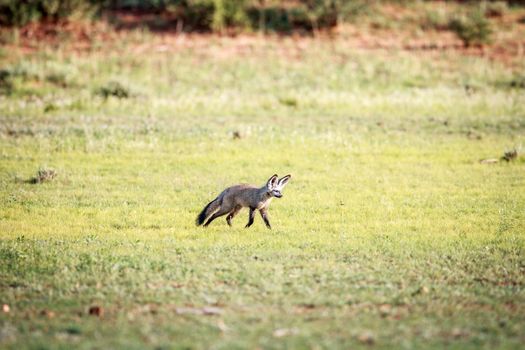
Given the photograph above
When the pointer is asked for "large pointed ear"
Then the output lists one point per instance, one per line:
(284, 180)
(272, 181)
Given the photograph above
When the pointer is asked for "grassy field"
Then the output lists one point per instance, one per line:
(390, 234)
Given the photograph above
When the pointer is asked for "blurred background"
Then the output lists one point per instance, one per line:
(474, 22)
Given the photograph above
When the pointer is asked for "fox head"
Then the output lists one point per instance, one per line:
(275, 185)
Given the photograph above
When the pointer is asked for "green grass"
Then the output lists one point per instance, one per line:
(390, 233)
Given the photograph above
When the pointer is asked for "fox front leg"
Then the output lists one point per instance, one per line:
(251, 217)
(264, 215)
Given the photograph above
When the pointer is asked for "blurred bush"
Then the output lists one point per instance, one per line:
(472, 28)
(215, 15)
(21, 12)
(115, 89)
(264, 15)
(495, 8)
(229, 13)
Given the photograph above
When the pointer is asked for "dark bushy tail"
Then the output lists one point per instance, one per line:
(207, 211)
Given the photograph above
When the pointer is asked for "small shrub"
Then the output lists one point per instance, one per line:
(515, 82)
(472, 28)
(229, 13)
(23, 71)
(273, 18)
(13, 78)
(10, 75)
(495, 8)
(6, 84)
(50, 107)
(323, 13)
(115, 89)
(196, 14)
(511, 155)
(58, 79)
(43, 175)
(437, 20)
(289, 101)
(61, 74)
(518, 82)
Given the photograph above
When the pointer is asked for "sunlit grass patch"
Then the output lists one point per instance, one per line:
(391, 232)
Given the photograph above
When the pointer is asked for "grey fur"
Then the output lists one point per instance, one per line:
(234, 198)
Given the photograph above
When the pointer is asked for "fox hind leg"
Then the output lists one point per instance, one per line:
(232, 214)
(220, 212)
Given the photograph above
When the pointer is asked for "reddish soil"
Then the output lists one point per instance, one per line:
(508, 44)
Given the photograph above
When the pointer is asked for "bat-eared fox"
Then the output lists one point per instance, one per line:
(234, 198)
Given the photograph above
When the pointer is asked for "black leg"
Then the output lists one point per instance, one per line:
(264, 214)
(251, 217)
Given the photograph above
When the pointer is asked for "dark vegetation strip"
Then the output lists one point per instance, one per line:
(307, 16)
